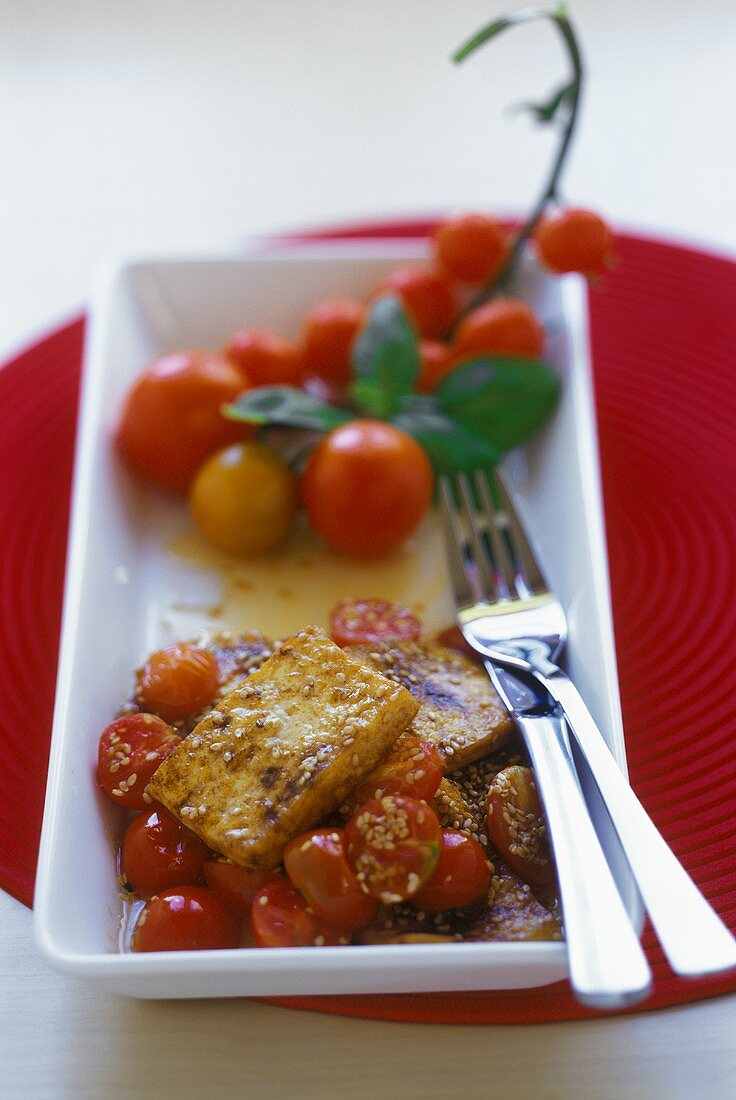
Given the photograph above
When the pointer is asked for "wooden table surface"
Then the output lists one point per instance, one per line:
(131, 126)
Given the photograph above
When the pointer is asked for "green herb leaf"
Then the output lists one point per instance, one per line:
(451, 447)
(550, 111)
(285, 405)
(385, 358)
(503, 400)
(485, 35)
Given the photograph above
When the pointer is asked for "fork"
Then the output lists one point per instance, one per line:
(508, 614)
(607, 966)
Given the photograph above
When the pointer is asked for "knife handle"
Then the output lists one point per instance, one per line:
(693, 937)
(608, 968)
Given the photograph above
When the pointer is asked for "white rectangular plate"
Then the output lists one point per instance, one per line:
(137, 577)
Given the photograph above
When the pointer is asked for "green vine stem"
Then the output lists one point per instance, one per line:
(569, 95)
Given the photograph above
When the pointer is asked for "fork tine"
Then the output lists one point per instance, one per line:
(454, 542)
(484, 566)
(500, 550)
(531, 574)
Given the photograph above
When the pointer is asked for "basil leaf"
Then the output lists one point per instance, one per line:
(385, 357)
(286, 405)
(372, 398)
(451, 447)
(503, 400)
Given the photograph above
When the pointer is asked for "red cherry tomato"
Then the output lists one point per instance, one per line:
(503, 326)
(130, 750)
(393, 844)
(316, 864)
(516, 825)
(413, 768)
(178, 681)
(235, 885)
(159, 852)
(452, 638)
(462, 876)
(366, 487)
(329, 333)
(265, 358)
(574, 240)
(435, 363)
(427, 295)
(187, 918)
(171, 419)
(354, 622)
(471, 247)
(280, 917)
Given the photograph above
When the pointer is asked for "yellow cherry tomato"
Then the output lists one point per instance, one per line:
(243, 499)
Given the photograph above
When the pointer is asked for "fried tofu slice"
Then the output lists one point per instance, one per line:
(459, 709)
(282, 750)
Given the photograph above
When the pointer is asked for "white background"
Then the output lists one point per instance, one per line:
(127, 125)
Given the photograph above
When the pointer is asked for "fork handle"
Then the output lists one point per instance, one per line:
(694, 938)
(607, 965)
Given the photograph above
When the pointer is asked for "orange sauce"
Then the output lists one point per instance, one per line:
(281, 592)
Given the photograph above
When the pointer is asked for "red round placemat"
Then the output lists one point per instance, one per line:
(664, 344)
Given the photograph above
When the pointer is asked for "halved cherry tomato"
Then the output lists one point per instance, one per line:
(280, 917)
(471, 247)
(366, 487)
(435, 362)
(329, 332)
(265, 358)
(393, 844)
(130, 750)
(187, 918)
(235, 885)
(178, 681)
(316, 864)
(574, 240)
(503, 326)
(427, 295)
(462, 875)
(356, 622)
(159, 852)
(171, 420)
(413, 768)
(517, 827)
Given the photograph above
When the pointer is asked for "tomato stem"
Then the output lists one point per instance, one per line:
(550, 190)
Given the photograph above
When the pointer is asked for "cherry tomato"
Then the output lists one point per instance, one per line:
(355, 622)
(516, 825)
(178, 681)
(130, 750)
(574, 240)
(187, 918)
(452, 638)
(471, 247)
(413, 768)
(280, 917)
(393, 844)
(462, 876)
(159, 852)
(427, 295)
(366, 487)
(316, 864)
(171, 420)
(435, 362)
(235, 885)
(503, 326)
(329, 333)
(265, 358)
(244, 499)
